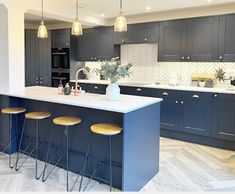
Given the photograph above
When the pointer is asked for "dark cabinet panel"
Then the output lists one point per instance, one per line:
(37, 59)
(202, 40)
(87, 46)
(61, 38)
(196, 115)
(138, 91)
(97, 44)
(138, 33)
(105, 49)
(223, 118)
(189, 39)
(97, 88)
(172, 41)
(227, 38)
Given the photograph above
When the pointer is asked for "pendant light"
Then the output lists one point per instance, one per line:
(120, 24)
(42, 29)
(77, 26)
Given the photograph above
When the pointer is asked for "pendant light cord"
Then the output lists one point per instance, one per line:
(42, 10)
(77, 8)
(121, 4)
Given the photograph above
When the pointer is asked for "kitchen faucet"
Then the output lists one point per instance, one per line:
(76, 82)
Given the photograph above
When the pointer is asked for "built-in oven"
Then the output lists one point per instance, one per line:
(60, 58)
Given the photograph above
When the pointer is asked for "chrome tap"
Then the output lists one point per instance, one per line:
(76, 82)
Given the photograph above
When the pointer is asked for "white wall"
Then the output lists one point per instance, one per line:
(4, 68)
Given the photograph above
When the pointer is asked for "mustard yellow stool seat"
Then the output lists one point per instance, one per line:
(37, 116)
(11, 111)
(104, 129)
(67, 122)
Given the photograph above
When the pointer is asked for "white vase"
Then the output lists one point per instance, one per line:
(113, 92)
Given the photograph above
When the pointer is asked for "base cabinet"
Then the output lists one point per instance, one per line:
(223, 118)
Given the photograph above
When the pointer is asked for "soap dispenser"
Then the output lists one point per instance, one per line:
(67, 89)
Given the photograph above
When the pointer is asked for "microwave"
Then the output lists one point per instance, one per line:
(60, 58)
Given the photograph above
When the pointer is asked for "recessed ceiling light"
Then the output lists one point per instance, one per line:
(148, 8)
(102, 15)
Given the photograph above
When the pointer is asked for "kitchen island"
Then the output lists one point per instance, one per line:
(135, 151)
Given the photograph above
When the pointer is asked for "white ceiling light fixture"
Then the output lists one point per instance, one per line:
(120, 24)
(77, 26)
(42, 29)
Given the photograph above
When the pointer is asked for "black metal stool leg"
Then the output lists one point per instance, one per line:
(36, 170)
(67, 155)
(21, 138)
(10, 140)
(110, 163)
(85, 162)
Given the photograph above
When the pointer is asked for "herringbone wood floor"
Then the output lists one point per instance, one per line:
(183, 167)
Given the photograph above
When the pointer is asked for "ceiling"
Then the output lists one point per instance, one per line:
(107, 9)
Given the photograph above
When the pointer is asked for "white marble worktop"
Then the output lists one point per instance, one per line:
(228, 90)
(125, 104)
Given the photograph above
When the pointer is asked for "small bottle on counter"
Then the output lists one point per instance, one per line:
(60, 88)
(67, 89)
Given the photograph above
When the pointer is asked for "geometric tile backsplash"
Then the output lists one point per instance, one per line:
(147, 68)
(144, 58)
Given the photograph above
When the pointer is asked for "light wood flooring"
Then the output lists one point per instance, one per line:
(183, 167)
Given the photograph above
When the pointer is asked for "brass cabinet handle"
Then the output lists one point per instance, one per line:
(138, 89)
(188, 58)
(215, 95)
(195, 96)
(96, 87)
(165, 94)
(145, 39)
(177, 102)
(182, 58)
(182, 102)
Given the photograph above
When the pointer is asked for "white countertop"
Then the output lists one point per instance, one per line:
(95, 101)
(164, 86)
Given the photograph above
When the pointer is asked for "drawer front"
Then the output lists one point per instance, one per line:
(137, 91)
(97, 88)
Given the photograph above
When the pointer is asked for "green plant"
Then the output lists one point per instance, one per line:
(113, 70)
(220, 74)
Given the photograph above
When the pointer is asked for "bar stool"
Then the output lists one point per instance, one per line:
(106, 130)
(11, 111)
(37, 116)
(67, 122)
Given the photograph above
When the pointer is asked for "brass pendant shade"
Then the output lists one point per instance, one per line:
(42, 29)
(121, 23)
(77, 26)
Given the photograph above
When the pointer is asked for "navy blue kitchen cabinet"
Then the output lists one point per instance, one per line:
(97, 88)
(138, 91)
(37, 59)
(227, 38)
(138, 33)
(171, 111)
(223, 118)
(189, 39)
(97, 44)
(172, 41)
(61, 38)
(196, 113)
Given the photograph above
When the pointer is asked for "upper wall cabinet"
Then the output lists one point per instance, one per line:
(97, 44)
(138, 33)
(189, 40)
(227, 38)
(61, 38)
(172, 41)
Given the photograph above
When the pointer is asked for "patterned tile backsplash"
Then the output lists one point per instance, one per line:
(146, 67)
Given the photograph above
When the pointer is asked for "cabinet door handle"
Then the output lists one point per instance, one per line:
(40, 82)
(40, 78)
(96, 87)
(182, 58)
(138, 89)
(177, 102)
(188, 58)
(36, 78)
(221, 57)
(228, 134)
(123, 41)
(215, 95)
(36, 82)
(182, 102)
(165, 94)
(145, 39)
(195, 96)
